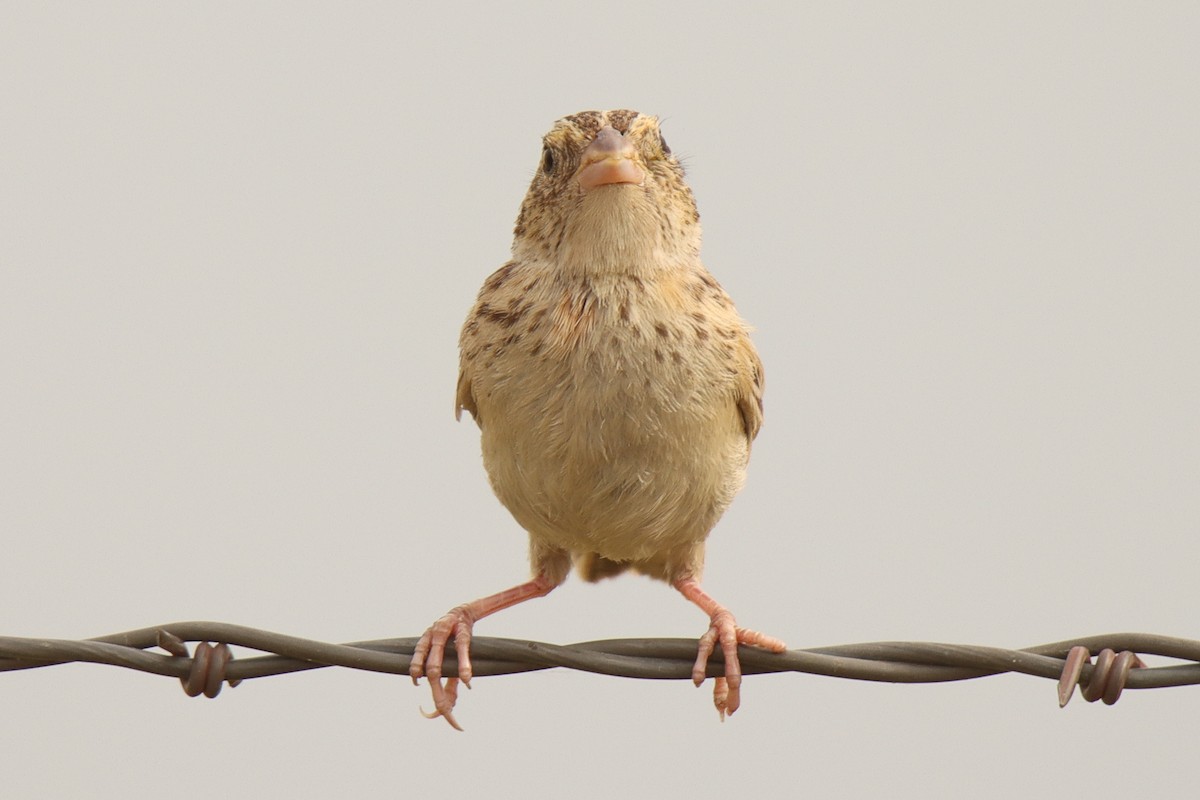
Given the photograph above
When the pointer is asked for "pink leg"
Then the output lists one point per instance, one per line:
(427, 657)
(727, 693)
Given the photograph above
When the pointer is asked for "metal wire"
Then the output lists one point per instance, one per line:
(1067, 662)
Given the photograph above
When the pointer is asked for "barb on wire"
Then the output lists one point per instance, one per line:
(1117, 666)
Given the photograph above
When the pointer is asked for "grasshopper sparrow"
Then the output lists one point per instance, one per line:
(615, 386)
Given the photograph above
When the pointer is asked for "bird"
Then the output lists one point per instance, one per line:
(615, 386)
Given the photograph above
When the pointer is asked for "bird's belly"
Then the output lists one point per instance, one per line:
(622, 451)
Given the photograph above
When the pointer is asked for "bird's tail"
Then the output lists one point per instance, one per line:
(592, 567)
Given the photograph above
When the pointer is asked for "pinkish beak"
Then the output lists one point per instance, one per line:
(608, 160)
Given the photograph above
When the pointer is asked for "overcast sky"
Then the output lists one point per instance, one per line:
(238, 240)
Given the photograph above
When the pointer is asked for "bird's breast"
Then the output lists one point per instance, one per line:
(609, 418)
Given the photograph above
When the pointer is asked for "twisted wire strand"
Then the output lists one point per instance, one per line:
(653, 659)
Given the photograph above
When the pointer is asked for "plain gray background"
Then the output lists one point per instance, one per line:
(237, 241)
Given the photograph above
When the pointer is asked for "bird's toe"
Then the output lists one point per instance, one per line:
(429, 654)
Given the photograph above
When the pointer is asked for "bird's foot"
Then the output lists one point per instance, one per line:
(457, 624)
(427, 661)
(727, 691)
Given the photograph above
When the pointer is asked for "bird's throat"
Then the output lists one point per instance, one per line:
(616, 231)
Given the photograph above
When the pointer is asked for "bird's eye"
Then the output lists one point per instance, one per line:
(663, 144)
(547, 160)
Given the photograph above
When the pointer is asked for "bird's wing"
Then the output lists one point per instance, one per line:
(750, 388)
(472, 340)
(464, 399)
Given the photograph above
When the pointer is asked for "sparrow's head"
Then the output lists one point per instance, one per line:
(607, 195)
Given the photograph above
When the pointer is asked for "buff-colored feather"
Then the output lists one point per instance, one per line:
(615, 385)
(616, 388)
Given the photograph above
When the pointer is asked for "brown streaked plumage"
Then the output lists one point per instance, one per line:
(615, 386)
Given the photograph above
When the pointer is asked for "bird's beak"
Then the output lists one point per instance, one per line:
(608, 160)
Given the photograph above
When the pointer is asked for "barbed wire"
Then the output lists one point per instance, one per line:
(1117, 666)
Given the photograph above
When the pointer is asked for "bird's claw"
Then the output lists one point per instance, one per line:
(721, 697)
(727, 690)
(444, 698)
(427, 661)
